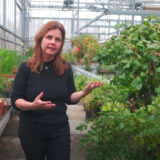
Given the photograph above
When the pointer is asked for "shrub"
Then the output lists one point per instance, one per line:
(119, 134)
(135, 58)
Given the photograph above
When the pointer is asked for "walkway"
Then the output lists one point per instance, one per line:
(10, 148)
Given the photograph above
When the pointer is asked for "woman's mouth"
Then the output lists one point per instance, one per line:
(50, 48)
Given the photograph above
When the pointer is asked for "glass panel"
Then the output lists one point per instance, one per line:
(1, 12)
(10, 15)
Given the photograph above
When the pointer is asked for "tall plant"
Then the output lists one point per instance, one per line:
(119, 133)
(135, 55)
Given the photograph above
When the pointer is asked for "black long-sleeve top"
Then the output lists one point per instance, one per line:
(56, 88)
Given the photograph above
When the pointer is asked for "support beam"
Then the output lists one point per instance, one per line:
(75, 2)
(6, 40)
(72, 23)
(61, 8)
(102, 33)
(15, 20)
(101, 26)
(135, 13)
(82, 5)
(80, 19)
(95, 19)
(4, 21)
(6, 30)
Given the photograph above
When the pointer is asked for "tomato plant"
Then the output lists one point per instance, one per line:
(85, 47)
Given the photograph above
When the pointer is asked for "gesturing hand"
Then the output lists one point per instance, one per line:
(39, 104)
(92, 86)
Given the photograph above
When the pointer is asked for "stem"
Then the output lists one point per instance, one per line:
(154, 66)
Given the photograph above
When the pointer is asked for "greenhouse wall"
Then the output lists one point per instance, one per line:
(11, 25)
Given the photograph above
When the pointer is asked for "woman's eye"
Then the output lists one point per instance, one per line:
(49, 37)
(58, 39)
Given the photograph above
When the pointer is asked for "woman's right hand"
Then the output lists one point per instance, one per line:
(39, 104)
(24, 105)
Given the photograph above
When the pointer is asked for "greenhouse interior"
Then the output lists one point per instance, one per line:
(113, 48)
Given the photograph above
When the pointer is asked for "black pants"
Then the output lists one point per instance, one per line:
(40, 142)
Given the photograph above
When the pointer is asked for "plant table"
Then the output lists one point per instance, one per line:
(4, 120)
(5, 117)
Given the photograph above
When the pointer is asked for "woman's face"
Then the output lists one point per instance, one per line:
(51, 44)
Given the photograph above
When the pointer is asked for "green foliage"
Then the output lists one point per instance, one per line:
(68, 56)
(101, 97)
(127, 127)
(29, 51)
(135, 59)
(119, 134)
(8, 61)
(2, 87)
(80, 82)
(96, 99)
(5, 86)
(85, 47)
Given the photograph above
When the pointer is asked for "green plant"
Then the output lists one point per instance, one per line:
(8, 61)
(127, 127)
(80, 82)
(85, 47)
(119, 134)
(98, 98)
(5, 86)
(135, 58)
(29, 52)
(68, 56)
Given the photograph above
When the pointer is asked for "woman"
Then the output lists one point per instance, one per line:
(42, 88)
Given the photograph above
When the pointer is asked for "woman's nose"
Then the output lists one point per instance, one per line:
(53, 40)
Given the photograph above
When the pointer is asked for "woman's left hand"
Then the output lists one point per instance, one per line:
(76, 96)
(92, 86)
